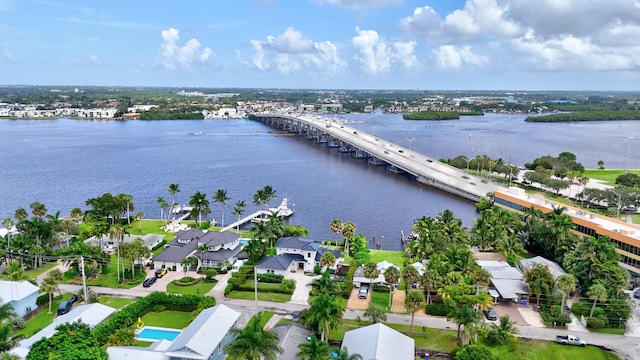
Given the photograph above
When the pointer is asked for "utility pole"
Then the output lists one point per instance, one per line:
(84, 280)
(255, 287)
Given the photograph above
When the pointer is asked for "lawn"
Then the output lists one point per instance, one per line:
(339, 300)
(43, 319)
(266, 315)
(608, 176)
(32, 274)
(547, 350)
(108, 279)
(115, 302)
(249, 295)
(395, 257)
(196, 289)
(381, 299)
(167, 319)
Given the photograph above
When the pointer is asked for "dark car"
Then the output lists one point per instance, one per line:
(149, 282)
(636, 294)
(490, 313)
(161, 272)
(73, 299)
(567, 309)
(64, 307)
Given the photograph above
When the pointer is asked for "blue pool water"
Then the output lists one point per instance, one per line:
(244, 242)
(157, 334)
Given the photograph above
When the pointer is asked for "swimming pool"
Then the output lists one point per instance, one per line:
(151, 333)
(244, 242)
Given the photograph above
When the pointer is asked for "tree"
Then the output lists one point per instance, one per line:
(255, 249)
(221, 198)
(464, 316)
(336, 226)
(49, 285)
(162, 203)
(391, 277)
(375, 313)
(127, 201)
(343, 354)
(72, 341)
(414, 301)
(474, 352)
(139, 216)
(371, 272)
(186, 263)
(327, 259)
(20, 214)
(628, 180)
(76, 214)
(268, 193)
(173, 190)
(199, 205)
(16, 271)
(8, 339)
(597, 292)
(325, 285)
(600, 164)
(314, 349)
(501, 332)
(253, 342)
(567, 284)
(238, 210)
(348, 231)
(410, 275)
(203, 249)
(38, 209)
(540, 281)
(117, 233)
(324, 314)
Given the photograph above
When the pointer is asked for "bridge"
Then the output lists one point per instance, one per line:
(335, 133)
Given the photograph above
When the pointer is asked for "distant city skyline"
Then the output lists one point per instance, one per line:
(335, 44)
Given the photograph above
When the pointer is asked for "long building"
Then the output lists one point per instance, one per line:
(625, 235)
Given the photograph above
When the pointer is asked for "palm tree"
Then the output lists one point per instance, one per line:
(162, 203)
(567, 284)
(56, 275)
(186, 263)
(414, 302)
(173, 190)
(199, 205)
(221, 198)
(139, 216)
(410, 275)
(391, 277)
(203, 249)
(116, 233)
(314, 349)
(504, 330)
(324, 314)
(375, 313)
(597, 292)
(348, 231)
(463, 316)
(343, 354)
(371, 272)
(255, 249)
(258, 198)
(511, 247)
(327, 259)
(20, 214)
(7, 338)
(336, 226)
(38, 209)
(253, 342)
(49, 286)
(268, 193)
(325, 285)
(238, 210)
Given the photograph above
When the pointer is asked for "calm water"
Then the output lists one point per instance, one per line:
(61, 163)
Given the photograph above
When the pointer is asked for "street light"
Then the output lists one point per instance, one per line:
(410, 141)
(373, 129)
(468, 161)
(618, 204)
(626, 164)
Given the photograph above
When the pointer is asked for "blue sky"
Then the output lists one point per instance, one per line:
(341, 44)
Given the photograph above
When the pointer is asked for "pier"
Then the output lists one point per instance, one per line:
(336, 134)
(282, 211)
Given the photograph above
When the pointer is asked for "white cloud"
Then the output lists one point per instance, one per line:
(94, 59)
(7, 55)
(449, 57)
(376, 56)
(172, 55)
(357, 4)
(292, 52)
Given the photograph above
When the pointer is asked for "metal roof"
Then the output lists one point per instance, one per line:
(379, 342)
(16, 290)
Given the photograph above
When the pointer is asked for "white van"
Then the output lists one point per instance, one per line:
(236, 265)
(364, 290)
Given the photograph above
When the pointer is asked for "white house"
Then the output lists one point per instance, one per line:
(22, 295)
(379, 342)
(293, 254)
(205, 339)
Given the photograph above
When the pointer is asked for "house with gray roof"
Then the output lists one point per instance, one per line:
(204, 339)
(291, 335)
(506, 279)
(554, 268)
(22, 295)
(221, 247)
(379, 342)
(293, 253)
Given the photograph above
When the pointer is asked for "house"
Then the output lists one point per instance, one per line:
(91, 314)
(554, 268)
(293, 253)
(359, 278)
(507, 280)
(221, 247)
(379, 342)
(108, 244)
(22, 295)
(205, 338)
(291, 335)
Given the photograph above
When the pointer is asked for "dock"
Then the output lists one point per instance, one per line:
(282, 211)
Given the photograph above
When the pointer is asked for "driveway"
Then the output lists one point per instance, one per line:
(512, 309)
(303, 287)
(161, 284)
(355, 303)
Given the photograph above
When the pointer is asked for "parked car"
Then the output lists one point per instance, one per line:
(64, 307)
(490, 313)
(161, 272)
(364, 291)
(570, 340)
(73, 299)
(636, 294)
(150, 281)
(567, 309)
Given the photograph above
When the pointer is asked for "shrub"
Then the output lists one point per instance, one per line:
(210, 273)
(347, 284)
(228, 289)
(289, 285)
(42, 299)
(563, 319)
(380, 288)
(436, 309)
(595, 323)
(270, 278)
(317, 270)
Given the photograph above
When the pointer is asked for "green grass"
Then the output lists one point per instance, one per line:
(32, 274)
(266, 316)
(249, 295)
(609, 331)
(608, 176)
(547, 350)
(339, 300)
(381, 299)
(115, 302)
(145, 227)
(43, 319)
(196, 289)
(143, 344)
(395, 257)
(108, 279)
(167, 319)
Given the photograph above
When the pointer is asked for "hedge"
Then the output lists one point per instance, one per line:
(436, 309)
(128, 315)
(348, 282)
(263, 288)
(270, 278)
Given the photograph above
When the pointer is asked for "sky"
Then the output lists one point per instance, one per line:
(328, 44)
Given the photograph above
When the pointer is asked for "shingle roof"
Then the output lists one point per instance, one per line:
(322, 250)
(176, 251)
(297, 243)
(279, 262)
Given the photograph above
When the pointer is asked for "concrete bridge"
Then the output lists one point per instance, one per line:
(335, 133)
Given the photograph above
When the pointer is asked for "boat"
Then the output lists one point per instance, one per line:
(196, 133)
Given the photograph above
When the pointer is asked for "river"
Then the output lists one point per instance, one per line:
(63, 162)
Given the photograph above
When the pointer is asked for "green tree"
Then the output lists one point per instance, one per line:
(348, 231)
(505, 329)
(49, 285)
(414, 301)
(116, 233)
(343, 354)
(255, 249)
(464, 316)
(162, 203)
(238, 210)
(186, 263)
(203, 249)
(253, 342)
(567, 284)
(173, 189)
(375, 313)
(199, 206)
(410, 275)
(336, 226)
(72, 341)
(139, 216)
(540, 281)
(221, 198)
(597, 292)
(324, 314)
(16, 271)
(391, 277)
(8, 338)
(371, 272)
(77, 214)
(20, 214)
(325, 285)
(38, 209)
(314, 349)
(327, 259)
(474, 352)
